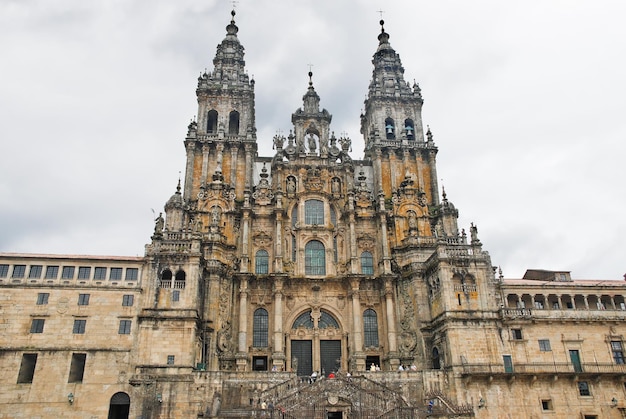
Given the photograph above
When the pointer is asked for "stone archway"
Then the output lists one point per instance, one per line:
(119, 406)
(316, 343)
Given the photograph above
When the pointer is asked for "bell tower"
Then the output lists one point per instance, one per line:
(392, 128)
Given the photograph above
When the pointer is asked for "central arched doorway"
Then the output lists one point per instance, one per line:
(316, 342)
(119, 406)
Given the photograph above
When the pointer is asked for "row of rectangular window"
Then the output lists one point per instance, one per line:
(68, 272)
(83, 299)
(37, 326)
(29, 361)
(617, 347)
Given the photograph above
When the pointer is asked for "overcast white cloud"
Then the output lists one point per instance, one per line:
(526, 101)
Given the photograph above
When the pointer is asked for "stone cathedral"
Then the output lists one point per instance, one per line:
(306, 284)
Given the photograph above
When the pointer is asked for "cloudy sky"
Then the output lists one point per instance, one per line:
(526, 100)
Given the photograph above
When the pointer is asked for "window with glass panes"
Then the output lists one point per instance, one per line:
(124, 328)
(4, 270)
(260, 328)
(52, 272)
(79, 326)
(314, 258)
(314, 212)
(100, 273)
(19, 271)
(618, 351)
(370, 328)
(36, 325)
(544, 345)
(67, 272)
(128, 300)
(83, 299)
(261, 262)
(367, 263)
(42, 298)
(35, 271)
(132, 274)
(116, 274)
(84, 272)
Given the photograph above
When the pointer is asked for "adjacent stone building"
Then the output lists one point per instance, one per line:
(264, 271)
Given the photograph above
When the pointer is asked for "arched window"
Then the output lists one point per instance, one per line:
(314, 258)
(409, 129)
(211, 122)
(233, 123)
(166, 279)
(261, 262)
(326, 320)
(367, 263)
(260, 327)
(314, 212)
(179, 280)
(303, 320)
(390, 129)
(436, 360)
(370, 328)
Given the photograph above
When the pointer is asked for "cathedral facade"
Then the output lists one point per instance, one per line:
(306, 284)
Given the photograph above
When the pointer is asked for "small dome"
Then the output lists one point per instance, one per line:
(176, 200)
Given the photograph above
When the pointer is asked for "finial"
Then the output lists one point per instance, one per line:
(310, 75)
(443, 192)
(178, 186)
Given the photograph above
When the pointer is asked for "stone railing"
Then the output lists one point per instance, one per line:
(543, 368)
(562, 314)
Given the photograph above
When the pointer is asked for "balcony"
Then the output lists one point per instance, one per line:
(562, 314)
(533, 369)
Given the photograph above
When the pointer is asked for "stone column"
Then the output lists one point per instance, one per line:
(278, 242)
(205, 162)
(357, 329)
(243, 324)
(278, 356)
(433, 176)
(249, 162)
(233, 164)
(391, 318)
(383, 236)
(191, 153)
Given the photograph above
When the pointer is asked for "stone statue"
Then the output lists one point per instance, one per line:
(474, 233)
(300, 145)
(216, 215)
(412, 220)
(335, 186)
(323, 146)
(291, 185)
(278, 142)
(159, 223)
(312, 143)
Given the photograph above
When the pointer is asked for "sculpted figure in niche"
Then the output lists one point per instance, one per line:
(216, 215)
(335, 186)
(412, 220)
(312, 143)
(291, 185)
